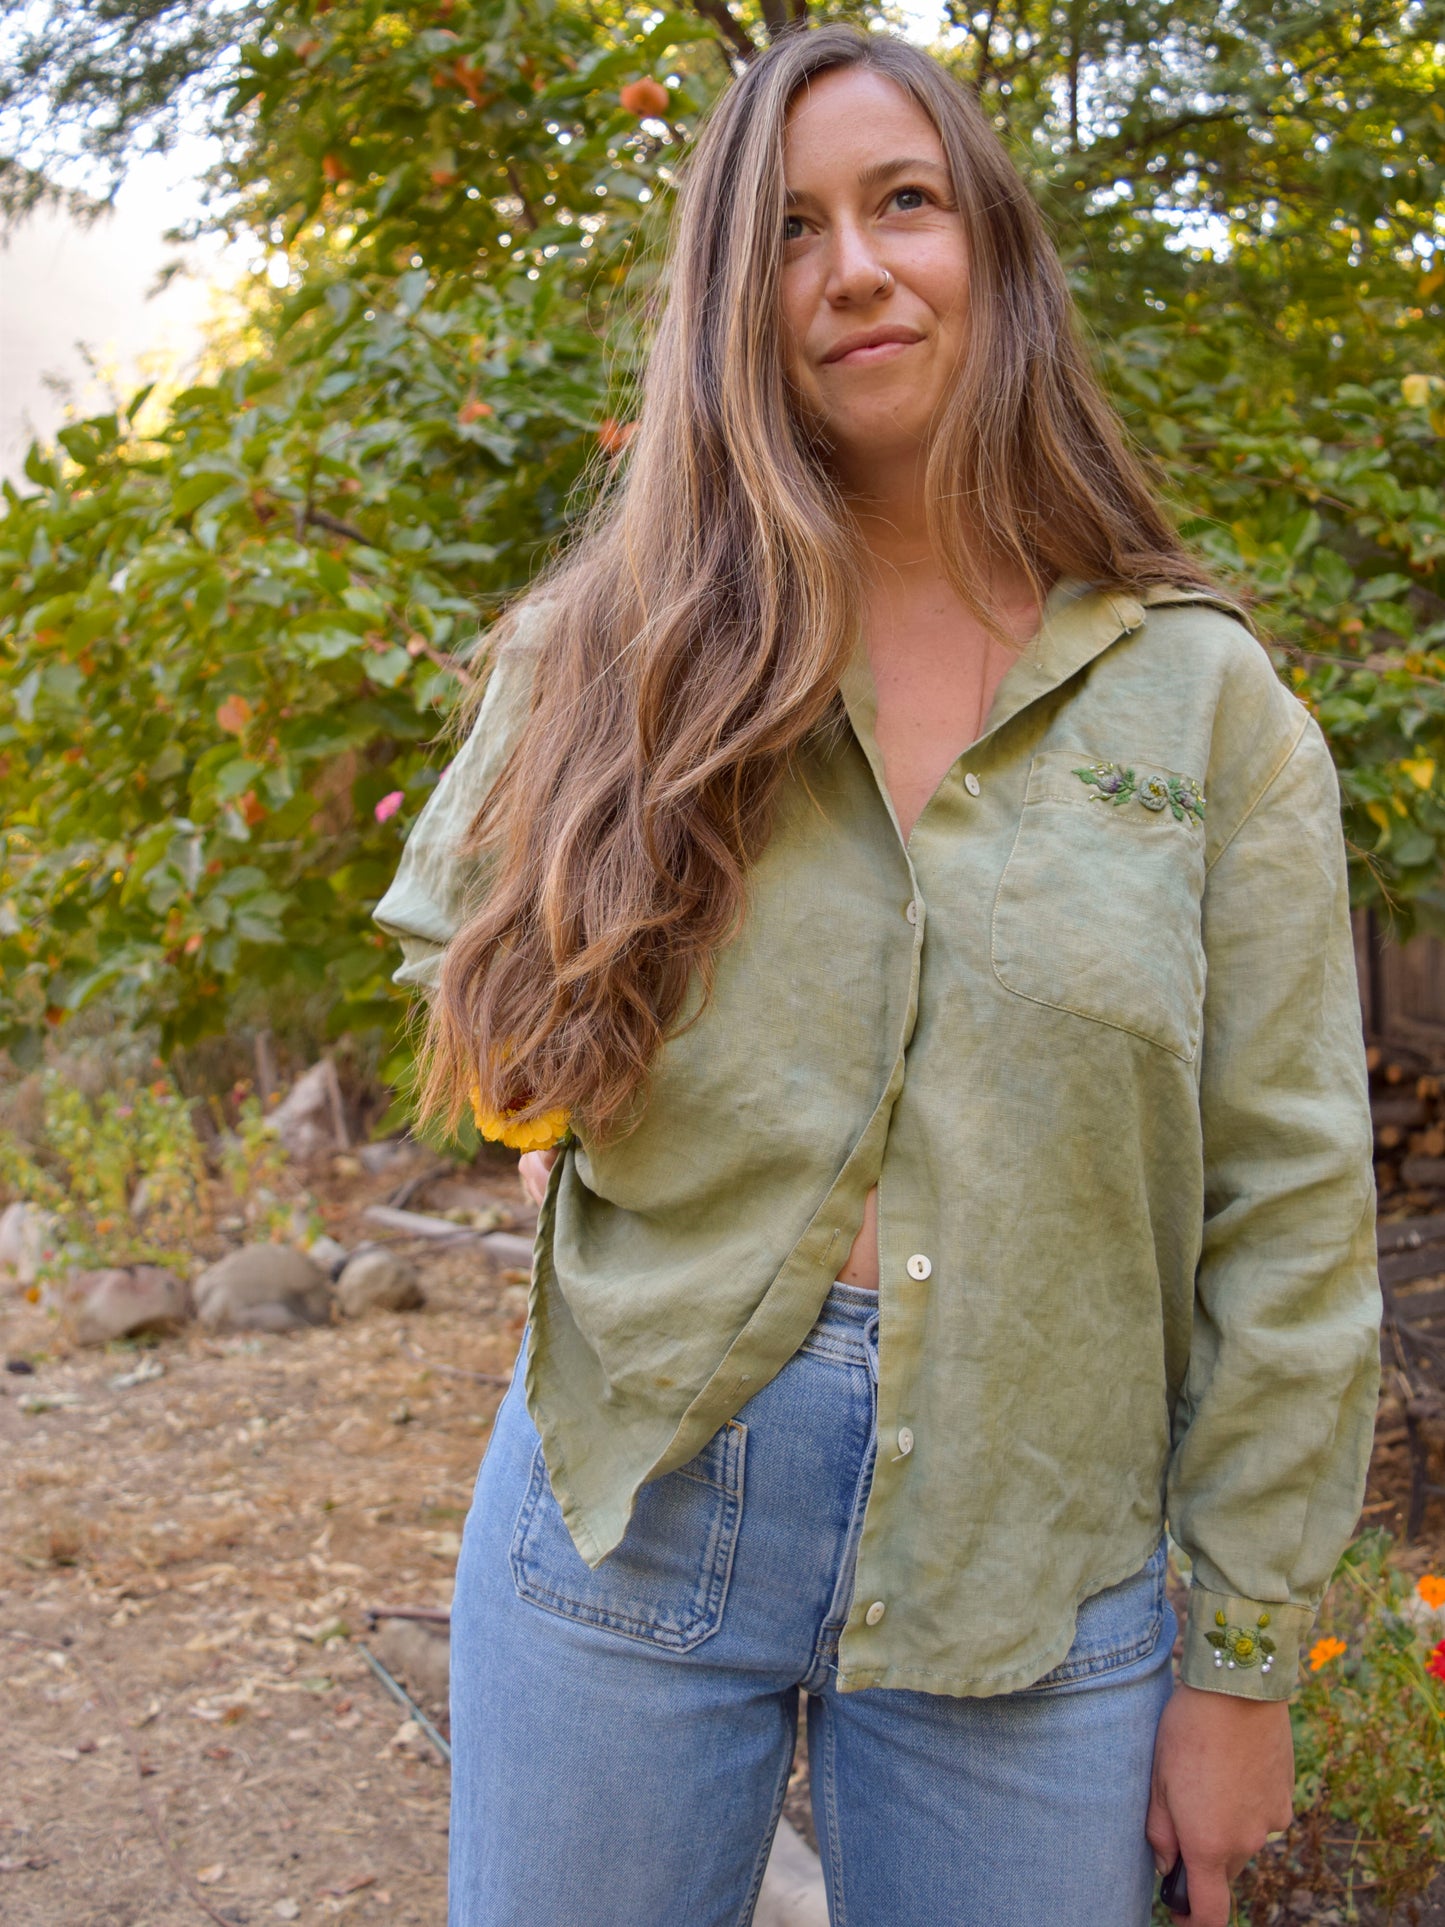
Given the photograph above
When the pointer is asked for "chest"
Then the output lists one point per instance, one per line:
(934, 692)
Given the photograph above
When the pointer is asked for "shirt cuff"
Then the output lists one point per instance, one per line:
(1247, 1647)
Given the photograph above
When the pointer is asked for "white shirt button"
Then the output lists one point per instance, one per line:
(970, 783)
(875, 1612)
(919, 1266)
(912, 911)
(905, 1441)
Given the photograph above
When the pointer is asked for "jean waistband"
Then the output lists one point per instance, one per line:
(846, 1327)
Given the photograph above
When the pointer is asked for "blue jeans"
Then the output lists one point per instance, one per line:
(623, 1735)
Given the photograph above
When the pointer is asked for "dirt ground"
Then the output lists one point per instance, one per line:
(186, 1564)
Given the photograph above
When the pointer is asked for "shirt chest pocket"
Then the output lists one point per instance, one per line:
(1098, 908)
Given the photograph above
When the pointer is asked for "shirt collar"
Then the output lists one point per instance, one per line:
(1077, 622)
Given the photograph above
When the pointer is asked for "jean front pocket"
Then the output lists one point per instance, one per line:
(1115, 1628)
(667, 1581)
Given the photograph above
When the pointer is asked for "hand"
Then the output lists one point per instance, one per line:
(1223, 1781)
(534, 1167)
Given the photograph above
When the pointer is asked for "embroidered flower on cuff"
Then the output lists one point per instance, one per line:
(1242, 1646)
(1186, 799)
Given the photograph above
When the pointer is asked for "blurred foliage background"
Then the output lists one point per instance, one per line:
(232, 626)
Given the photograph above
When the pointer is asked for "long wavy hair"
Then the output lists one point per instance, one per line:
(697, 623)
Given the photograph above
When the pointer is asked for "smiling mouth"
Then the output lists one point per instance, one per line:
(875, 351)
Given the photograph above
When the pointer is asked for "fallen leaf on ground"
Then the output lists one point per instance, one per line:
(208, 1876)
(287, 1910)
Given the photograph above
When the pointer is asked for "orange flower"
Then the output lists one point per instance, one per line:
(1431, 1588)
(233, 715)
(614, 436)
(1323, 1651)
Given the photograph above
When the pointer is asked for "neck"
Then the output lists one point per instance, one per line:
(886, 497)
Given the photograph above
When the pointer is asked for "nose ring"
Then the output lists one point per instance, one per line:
(886, 283)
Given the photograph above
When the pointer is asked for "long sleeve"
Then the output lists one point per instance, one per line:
(1272, 1433)
(427, 900)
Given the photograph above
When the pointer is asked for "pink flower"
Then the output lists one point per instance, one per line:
(389, 805)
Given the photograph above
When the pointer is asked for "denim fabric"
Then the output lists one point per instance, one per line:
(623, 1732)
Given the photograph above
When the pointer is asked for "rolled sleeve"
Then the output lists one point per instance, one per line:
(438, 879)
(1273, 1429)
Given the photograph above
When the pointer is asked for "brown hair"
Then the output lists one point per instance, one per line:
(698, 622)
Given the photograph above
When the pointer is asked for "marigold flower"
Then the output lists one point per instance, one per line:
(1431, 1588)
(537, 1134)
(1435, 1664)
(1323, 1651)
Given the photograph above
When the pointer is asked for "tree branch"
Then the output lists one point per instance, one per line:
(731, 29)
(527, 212)
(333, 524)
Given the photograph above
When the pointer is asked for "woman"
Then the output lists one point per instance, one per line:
(893, 880)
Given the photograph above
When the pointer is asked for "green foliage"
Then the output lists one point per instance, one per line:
(1369, 1731)
(253, 1162)
(89, 1164)
(222, 648)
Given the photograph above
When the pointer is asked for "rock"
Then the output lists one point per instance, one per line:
(28, 1236)
(327, 1253)
(386, 1152)
(309, 1119)
(120, 1302)
(419, 1653)
(375, 1280)
(263, 1287)
(792, 1893)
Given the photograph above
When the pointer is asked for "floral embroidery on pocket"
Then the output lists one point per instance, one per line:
(1240, 1646)
(1110, 784)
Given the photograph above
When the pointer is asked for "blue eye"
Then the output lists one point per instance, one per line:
(909, 190)
(787, 219)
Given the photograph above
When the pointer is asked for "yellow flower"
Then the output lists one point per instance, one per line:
(1431, 1588)
(1420, 770)
(537, 1134)
(1323, 1651)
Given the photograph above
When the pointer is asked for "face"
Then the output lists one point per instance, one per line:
(869, 197)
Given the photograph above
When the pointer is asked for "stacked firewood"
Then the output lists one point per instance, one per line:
(1407, 1103)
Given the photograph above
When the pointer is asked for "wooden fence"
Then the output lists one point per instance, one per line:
(1402, 990)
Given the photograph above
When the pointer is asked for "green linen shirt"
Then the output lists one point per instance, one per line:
(1093, 1030)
